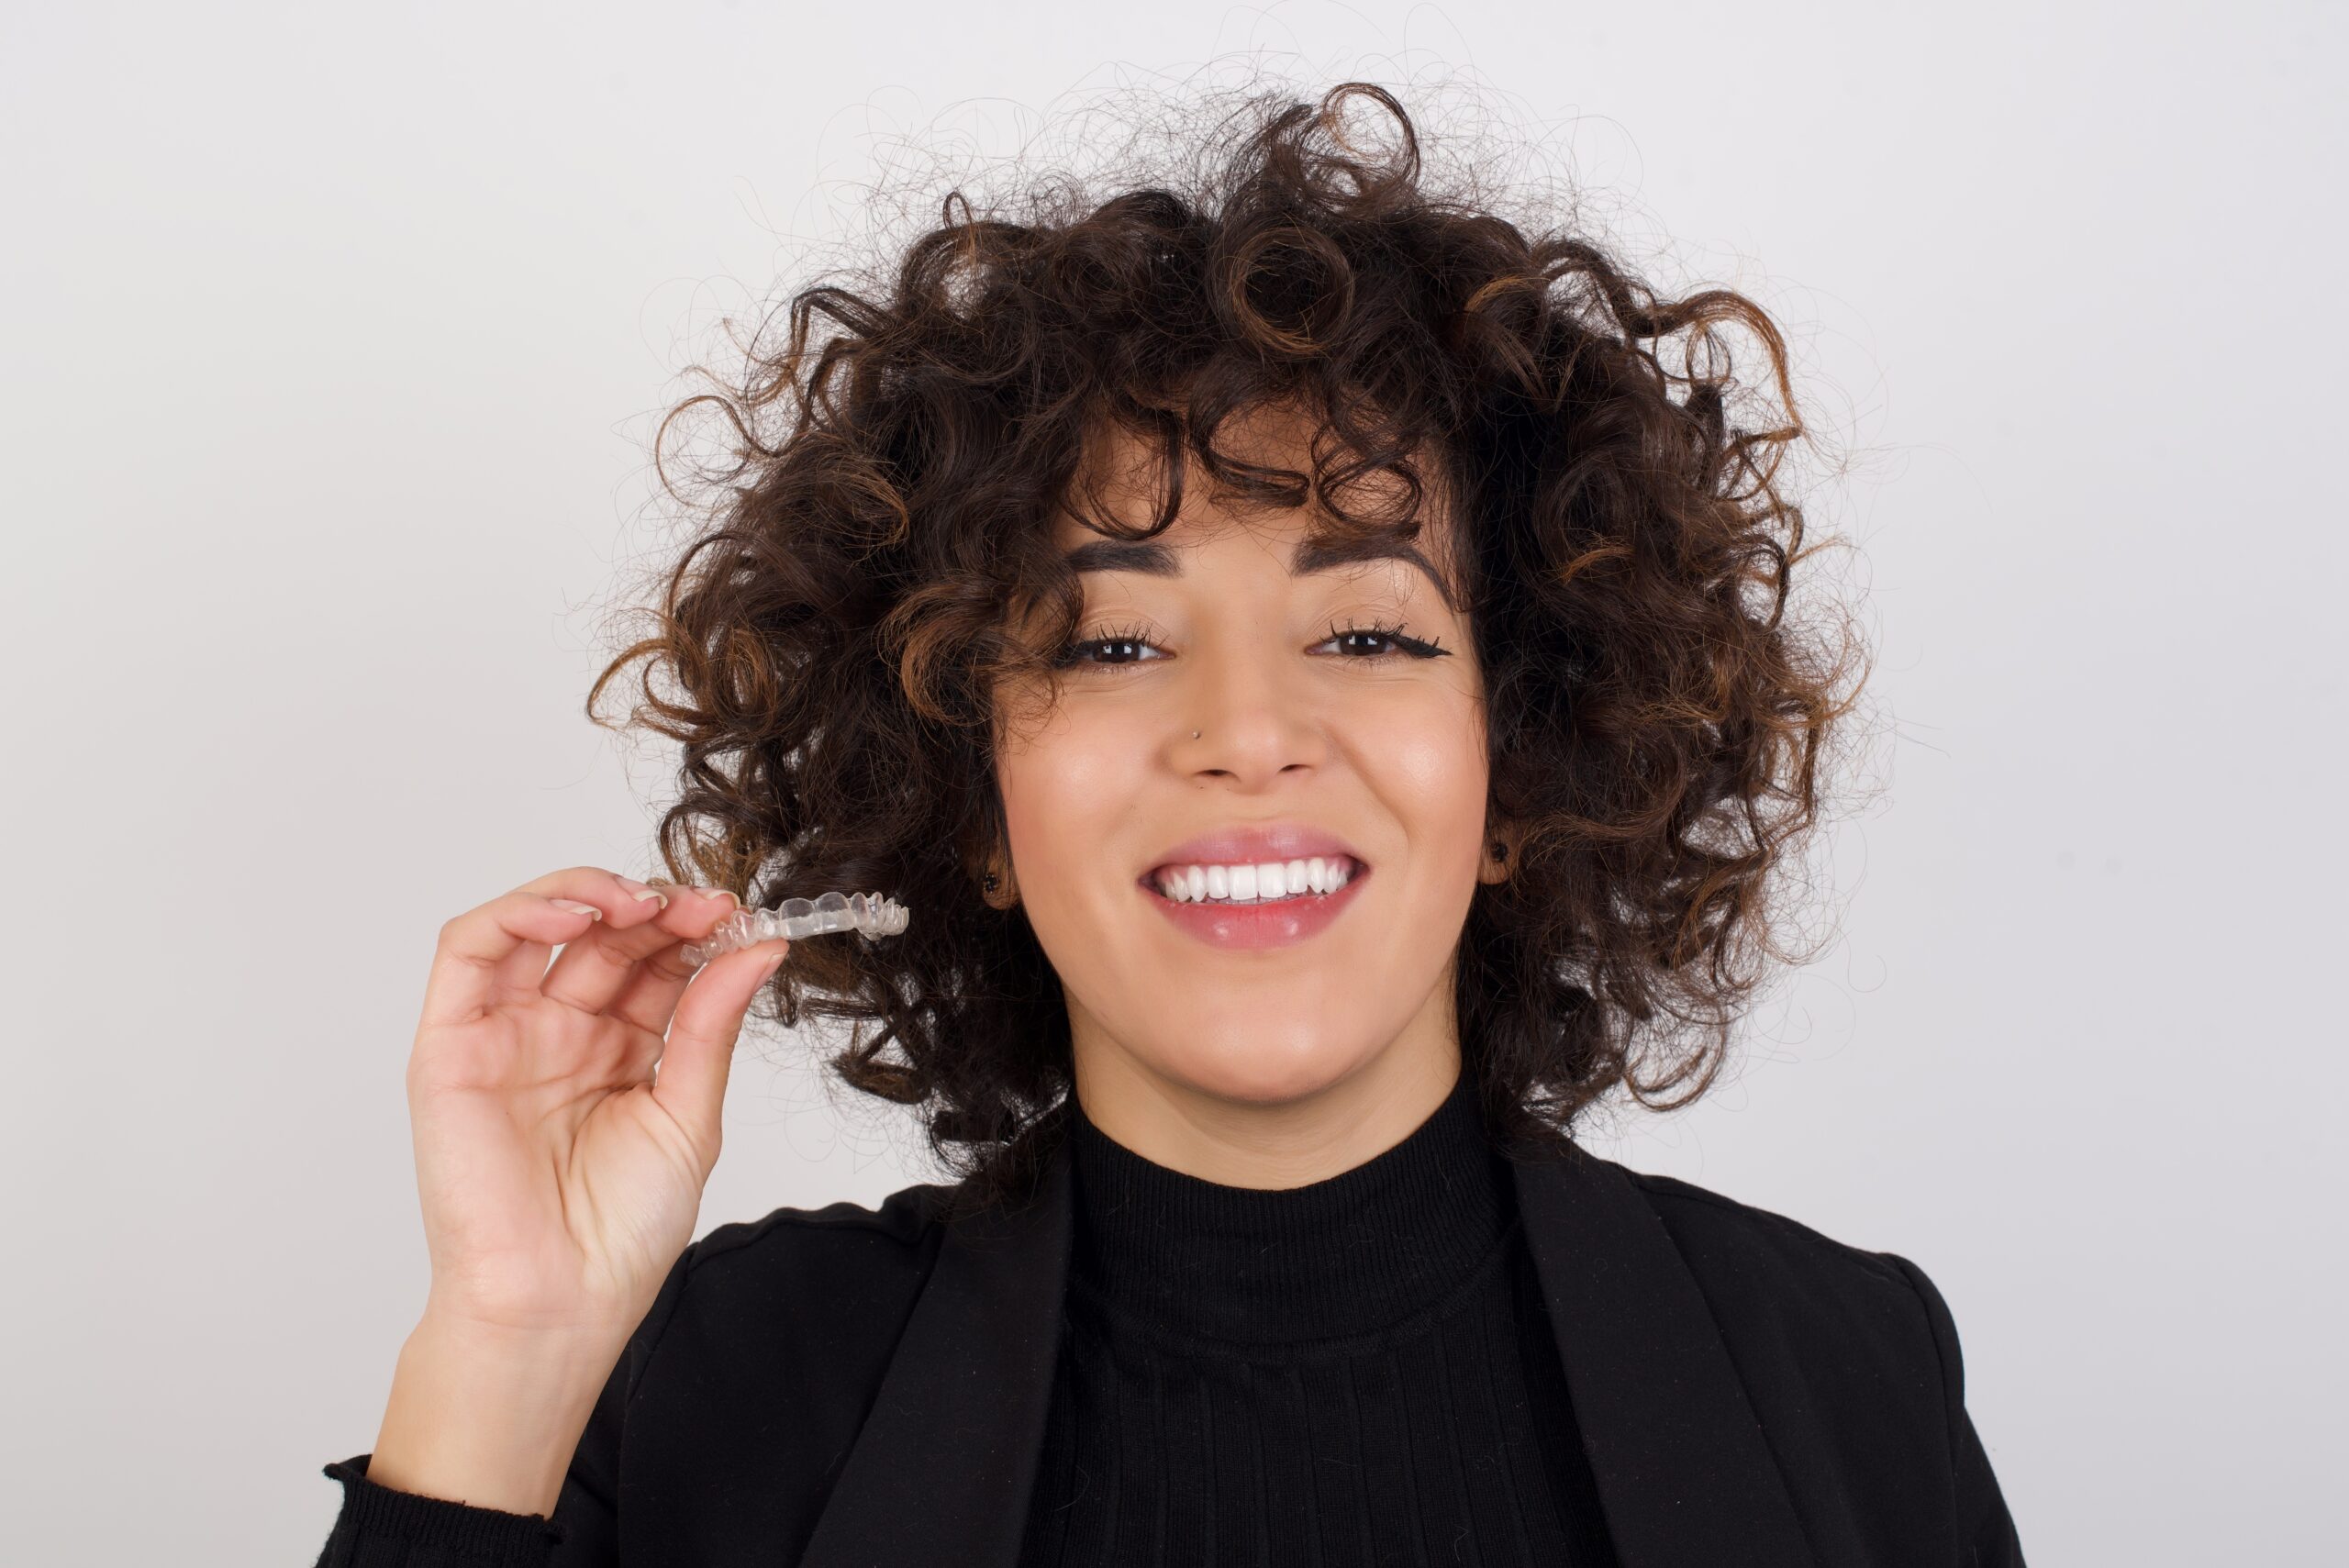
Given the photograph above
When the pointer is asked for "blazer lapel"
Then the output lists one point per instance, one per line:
(1684, 1472)
(941, 1469)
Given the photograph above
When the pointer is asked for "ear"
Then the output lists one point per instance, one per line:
(1007, 892)
(983, 852)
(1499, 857)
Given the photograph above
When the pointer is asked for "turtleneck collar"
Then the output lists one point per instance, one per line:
(1350, 1253)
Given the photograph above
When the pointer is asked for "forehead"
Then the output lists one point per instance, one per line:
(1124, 481)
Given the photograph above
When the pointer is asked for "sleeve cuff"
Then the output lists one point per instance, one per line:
(489, 1537)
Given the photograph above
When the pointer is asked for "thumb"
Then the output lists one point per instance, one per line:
(689, 1081)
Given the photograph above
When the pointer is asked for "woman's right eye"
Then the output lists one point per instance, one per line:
(1115, 649)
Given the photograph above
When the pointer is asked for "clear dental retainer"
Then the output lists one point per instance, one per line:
(872, 913)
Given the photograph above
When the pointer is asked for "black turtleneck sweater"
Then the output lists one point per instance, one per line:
(1356, 1371)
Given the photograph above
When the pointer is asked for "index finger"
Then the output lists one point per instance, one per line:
(474, 962)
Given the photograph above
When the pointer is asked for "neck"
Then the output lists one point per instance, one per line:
(1363, 1249)
(1273, 1139)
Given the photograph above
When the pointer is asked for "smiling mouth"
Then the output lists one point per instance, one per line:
(1304, 881)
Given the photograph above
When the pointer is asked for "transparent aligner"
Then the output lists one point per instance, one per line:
(873, 913)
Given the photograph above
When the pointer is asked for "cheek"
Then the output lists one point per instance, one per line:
(1427, 760)
(1065, 789)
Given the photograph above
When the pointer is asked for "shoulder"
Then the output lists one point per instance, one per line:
(833, 1285)
(1849, 1360)
(800, 1311)
(809, 1299)
(1726, 1235)
(1775, 1281)
(906, 1218)
(842, 1252)
(841, 1273)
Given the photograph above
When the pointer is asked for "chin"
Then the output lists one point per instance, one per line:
(1261, 1065)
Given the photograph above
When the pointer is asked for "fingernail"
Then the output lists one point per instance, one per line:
(641, 891)
(726, 892)
(576, 907)
(774, 963)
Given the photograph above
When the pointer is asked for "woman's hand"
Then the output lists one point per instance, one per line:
(561, 1174)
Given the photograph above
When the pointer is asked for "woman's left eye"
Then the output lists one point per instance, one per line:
(1393, 636)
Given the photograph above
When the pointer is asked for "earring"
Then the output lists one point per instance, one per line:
(989, 881)
(1500, 851)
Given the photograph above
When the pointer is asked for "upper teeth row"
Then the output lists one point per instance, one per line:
(1274, 879)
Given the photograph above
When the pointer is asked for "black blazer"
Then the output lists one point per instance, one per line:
(847, 1388)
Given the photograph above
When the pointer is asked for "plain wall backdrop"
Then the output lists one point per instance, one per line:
(333, 340)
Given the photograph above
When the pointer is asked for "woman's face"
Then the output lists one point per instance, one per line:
(1217, 723)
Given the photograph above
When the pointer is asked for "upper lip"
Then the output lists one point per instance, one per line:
(1256, 843)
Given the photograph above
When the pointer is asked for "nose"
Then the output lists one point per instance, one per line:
(1253, 719)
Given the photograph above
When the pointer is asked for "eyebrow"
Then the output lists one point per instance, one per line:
(1156, 560)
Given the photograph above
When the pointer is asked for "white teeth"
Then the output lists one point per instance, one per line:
(1253, 884)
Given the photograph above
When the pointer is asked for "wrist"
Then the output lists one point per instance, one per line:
(490, 1415)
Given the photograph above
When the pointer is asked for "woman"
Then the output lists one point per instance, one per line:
(1322, 686)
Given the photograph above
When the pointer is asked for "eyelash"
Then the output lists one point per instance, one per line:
(1073, 656)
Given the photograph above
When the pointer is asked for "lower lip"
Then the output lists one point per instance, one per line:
(1279, 924)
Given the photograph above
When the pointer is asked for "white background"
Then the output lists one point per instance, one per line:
(333, 337)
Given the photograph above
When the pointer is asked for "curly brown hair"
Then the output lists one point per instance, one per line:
(878, 560)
